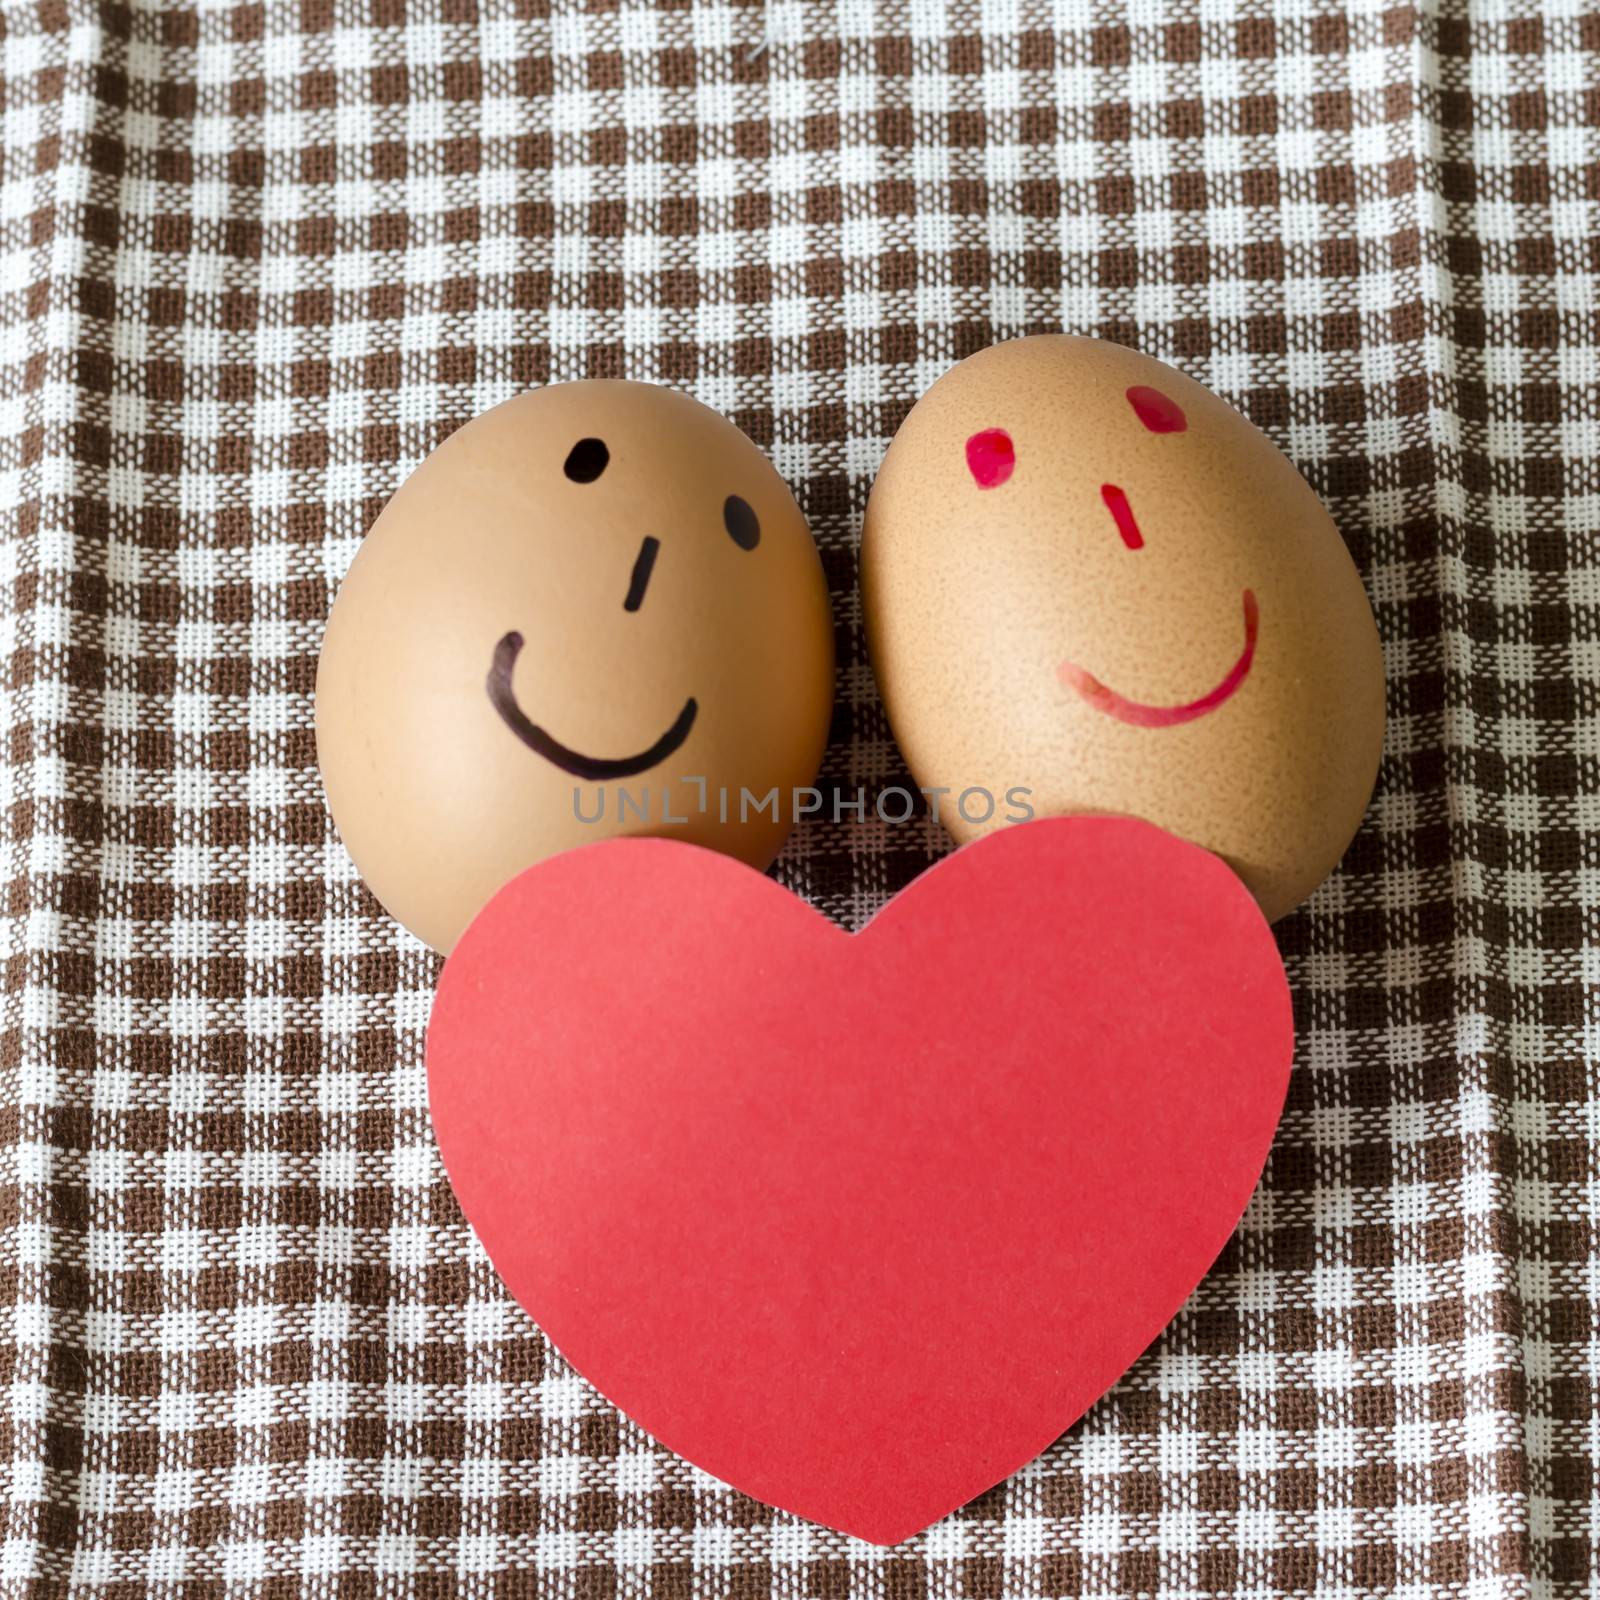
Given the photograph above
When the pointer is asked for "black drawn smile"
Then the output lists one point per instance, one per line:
(594, 769)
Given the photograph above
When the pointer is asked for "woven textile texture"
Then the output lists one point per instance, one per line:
(256, 260)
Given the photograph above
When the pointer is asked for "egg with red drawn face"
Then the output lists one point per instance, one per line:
(1090, 585)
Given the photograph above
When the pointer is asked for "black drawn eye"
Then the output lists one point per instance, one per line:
(741, 522)
(586, 460)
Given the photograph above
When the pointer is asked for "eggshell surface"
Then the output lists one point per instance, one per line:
(593, 610)
(1085, 575)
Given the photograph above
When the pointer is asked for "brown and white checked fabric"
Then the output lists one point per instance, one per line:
(256, 260)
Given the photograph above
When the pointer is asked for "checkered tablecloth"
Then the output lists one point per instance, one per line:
(257, 259)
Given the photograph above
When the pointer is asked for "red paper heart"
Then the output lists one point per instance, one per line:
(861, 1224)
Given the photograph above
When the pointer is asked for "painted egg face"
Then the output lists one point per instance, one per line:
(593, 610)
(1087, 576)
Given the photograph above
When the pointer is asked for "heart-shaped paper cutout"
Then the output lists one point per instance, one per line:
(859, 1224)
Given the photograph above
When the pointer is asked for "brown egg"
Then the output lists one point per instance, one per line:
(1086, 576)
(594, 610)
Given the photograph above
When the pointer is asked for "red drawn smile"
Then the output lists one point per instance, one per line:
(1141, 715)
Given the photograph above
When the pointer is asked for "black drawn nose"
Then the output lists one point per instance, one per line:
(640, 581)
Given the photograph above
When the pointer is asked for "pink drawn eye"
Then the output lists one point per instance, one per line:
(991, 457)
(1160, 413)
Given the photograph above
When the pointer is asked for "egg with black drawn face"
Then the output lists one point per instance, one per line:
(593, 610)
(1089, 581)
